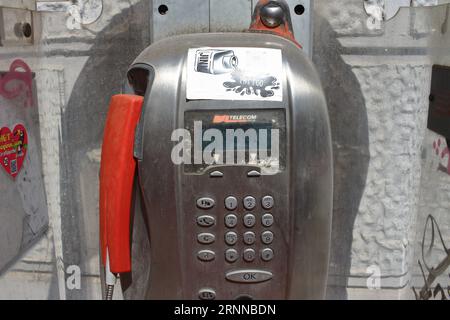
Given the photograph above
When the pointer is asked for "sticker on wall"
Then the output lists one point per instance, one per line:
(234, 74)
(80, 12)
(17, 82)
(442, 153)
(13, 148)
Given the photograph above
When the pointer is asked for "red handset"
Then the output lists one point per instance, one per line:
(117, 172)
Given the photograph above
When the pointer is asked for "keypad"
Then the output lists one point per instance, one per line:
(256, 245)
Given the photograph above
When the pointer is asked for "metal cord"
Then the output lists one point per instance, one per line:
(109, 292)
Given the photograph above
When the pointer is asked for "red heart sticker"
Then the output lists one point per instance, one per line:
(13, 148)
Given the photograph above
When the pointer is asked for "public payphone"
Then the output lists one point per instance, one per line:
(230, 136)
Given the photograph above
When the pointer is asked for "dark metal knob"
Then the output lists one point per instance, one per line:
(272, 15)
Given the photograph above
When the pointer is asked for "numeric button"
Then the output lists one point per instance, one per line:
(267, 254)
(231, 220)
(249, 220)
(231, 203)
(249, 238)
(267, 237)
(231, 238)
(249, 203)
(249, 255)
(231, 255)
(267, 202)
(267, 220)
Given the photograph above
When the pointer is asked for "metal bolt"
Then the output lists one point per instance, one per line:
(272, 15)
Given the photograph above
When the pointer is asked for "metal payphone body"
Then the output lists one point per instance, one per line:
(249, 229)
(230, 232)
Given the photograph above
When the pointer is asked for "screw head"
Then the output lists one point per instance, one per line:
(272, 15)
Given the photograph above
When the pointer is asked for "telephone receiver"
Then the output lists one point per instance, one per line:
(117, 173)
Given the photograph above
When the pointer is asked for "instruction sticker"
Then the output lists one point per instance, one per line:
(235, 74)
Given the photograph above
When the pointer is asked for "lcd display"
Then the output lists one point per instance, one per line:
(225, 138)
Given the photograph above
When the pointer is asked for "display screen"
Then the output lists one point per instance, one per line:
(260, 142)
(228, 138)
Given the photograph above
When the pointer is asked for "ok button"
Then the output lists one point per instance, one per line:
(248, 276)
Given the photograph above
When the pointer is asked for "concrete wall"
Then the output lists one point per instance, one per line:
(377, 82)
(377, 86)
